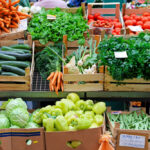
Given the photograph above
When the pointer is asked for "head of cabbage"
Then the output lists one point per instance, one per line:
(15, 103)
(4, 122)
(19, 117)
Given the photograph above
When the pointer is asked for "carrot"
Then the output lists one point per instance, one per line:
(58, 80)
(50, 76)
(13, 26)
(5, 29)
(55, 78)
(62, 86)
(15, 2)
(14, 23)
(56, 90)
(22, 14)
(9, 3)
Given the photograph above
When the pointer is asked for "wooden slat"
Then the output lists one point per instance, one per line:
(103, 11)
(83, 87)
(14, 78)
(10, 42)
(127, 87)
(139, 11)
(83, 77)
(14, 87)
(38, 44)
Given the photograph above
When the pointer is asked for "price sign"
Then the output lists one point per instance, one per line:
(135, 28)
(23, 25)
(51, 17)
(122, 54)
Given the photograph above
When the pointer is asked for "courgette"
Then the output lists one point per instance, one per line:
(7, 57)
(5, 48)
(15, 50)
(8, 74)
(21, 64)
(13, 69)
(18, 56)
(21, 46)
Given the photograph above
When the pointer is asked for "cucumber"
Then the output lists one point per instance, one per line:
(8, 74)
(13, 69)
(15, 50)
(21, 46)
(20, 64)
(18, 56)
(7, 57)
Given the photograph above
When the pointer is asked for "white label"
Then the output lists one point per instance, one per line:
(134, 141)
(23, 25)
(135, 28)
(122, 54)
(51, 17)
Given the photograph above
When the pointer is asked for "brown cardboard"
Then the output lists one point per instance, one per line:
(20, 136)
(89, 139)
(118, 147)
(5, 139)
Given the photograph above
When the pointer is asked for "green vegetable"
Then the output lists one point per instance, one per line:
(99, 119)
(81, 104)
(61, 124)
(49, 124)
(19, 116)
(15, 103)
(13, 69)
(63, 106)
(73, 25)
(83, 123)
(24, 3)
(32, 125)
(89, 104)
(99, 108)
(137, 63)
(73, 97)
(56, 112)
(8, 74)
(21, 46)
(21, 64)
(7, 57)
(14, 127)
(4, 122)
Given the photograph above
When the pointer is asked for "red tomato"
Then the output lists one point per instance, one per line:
(126, 17)
(146, 25)
(96, 25)
(144, 19)
(146, 14)
(138, 18)
(134, 22)
(118, 25)
(109, 19)
(133, 15)
(90, 17)
(90, 20)
(117, 29)
(100, 18)
(96, 15)
(116, 20)
(128, 22)
(139, 23)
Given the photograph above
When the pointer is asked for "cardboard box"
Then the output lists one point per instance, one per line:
(21, 138)
(89, 139)
(129, 139)
(5, 139)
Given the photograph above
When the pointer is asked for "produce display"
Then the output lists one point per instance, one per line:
(71, 114)
(16, 115)
(46, 30)
(136, 65)
(10, 16)
(14, 59)
(135, 20)
(132, 120)
(103, 23)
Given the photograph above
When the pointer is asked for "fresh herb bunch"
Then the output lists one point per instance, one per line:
(47, 62)
(69, 24)
(137, 65)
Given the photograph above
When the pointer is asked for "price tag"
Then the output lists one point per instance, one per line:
(122, 54)
(23, 25)
(51, 17)
(134, 141)
(135, 28)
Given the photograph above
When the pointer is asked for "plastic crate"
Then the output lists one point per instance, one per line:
(113, 6)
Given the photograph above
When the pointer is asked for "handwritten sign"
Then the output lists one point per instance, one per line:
(23, 25)
(135, 28)
(122, 54)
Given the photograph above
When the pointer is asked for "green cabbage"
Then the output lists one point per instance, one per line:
(32, 125)
(4, 122)
(14, 126)
(19, 117)
(18, 102)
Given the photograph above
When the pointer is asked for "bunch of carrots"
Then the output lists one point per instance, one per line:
(10, 16)
(56, 81)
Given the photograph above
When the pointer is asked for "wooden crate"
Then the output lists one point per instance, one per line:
(107, 11)
(116, 132)
(126, 85)
(22, 83)
(93, 82)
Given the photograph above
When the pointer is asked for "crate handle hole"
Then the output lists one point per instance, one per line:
(28, 142)
(74, 144)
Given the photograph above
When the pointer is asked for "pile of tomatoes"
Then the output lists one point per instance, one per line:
(108, 23)
(135, 20)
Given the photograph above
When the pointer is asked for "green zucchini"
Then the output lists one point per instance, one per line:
(21, 64)
(13, 69)
(7, 57)
(6, 48)
(15, 50)
(18, 56)
(8, 74)
(21, 46)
